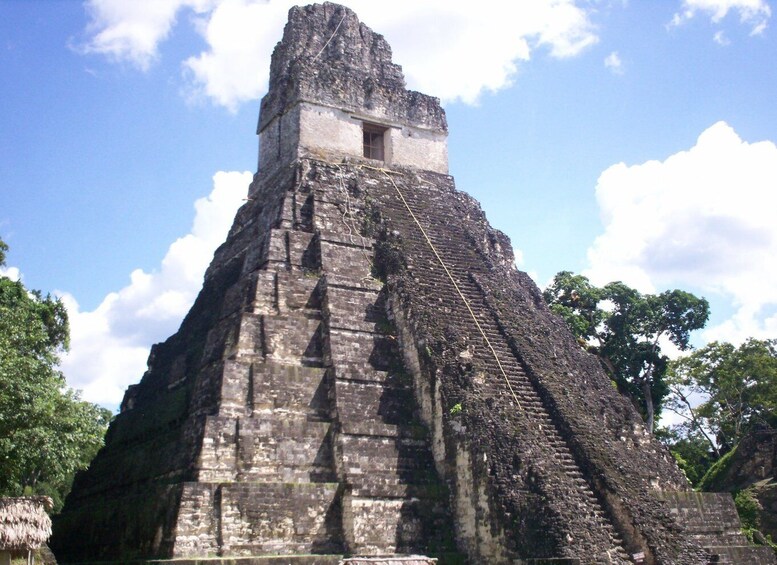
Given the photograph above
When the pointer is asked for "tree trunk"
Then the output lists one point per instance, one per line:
(695, 423)
(647, 390)
(649, 409)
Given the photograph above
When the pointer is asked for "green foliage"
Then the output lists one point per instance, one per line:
(456, 409)
(714, 475)
(739, 385)
(622, 327)
(693, 455)
(747, 508)
(576, 300)
(757, 537)
(46, 431)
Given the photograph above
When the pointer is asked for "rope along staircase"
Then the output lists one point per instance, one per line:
(444, 263)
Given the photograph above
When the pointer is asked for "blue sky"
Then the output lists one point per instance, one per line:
(626, 140)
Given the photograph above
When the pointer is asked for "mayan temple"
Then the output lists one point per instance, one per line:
(366, 378)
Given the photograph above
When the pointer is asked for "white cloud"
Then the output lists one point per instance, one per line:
(12, 273)
(721, 38)
(614, 63)
(446, 48)
(755, 13)
(132, 31)
(240, 35)
(702, 218)
(110, 345)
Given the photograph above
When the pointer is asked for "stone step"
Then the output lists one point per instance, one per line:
(332, 559)
(490, 341)
(390, 560)
(394, 488)
(742, 554)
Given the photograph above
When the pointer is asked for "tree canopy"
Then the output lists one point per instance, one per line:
(47, 432)
(723, 391)
(624, 328)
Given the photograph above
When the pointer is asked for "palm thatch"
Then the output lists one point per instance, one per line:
(24, 523)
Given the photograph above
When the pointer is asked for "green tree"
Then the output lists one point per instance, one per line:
(47, 432)
(692, 452)
(724, 391)
(624, 328)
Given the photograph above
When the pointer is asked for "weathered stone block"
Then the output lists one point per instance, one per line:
(355, 309)
(254, 523)
(265, 300)
(221, 338)
(375, 461)
(278, 248)
(383, 526)
(293, 338)
(358, 401)
(236, 380)
(258, 253)
(303, 250)
(196, 527)
(299, 292)
(217, 461)
(238, 297)
(350, 263)
(334, 220)
(709, 517)
(291, 388)
(284, 447)
(249, 336)
(348, 351)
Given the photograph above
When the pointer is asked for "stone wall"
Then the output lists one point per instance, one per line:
(315, 130)
(415, 147)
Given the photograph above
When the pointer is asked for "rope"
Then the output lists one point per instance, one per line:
(456, 286)
(348, 213)
(331, 36)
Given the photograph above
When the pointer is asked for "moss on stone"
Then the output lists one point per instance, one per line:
(713, 479)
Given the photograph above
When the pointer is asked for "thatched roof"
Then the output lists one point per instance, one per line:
(24, 523)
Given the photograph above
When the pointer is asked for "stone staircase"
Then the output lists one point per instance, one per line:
(510, 380)
(711, 518)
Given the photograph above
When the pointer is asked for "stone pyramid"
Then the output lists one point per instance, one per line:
(366, 378)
